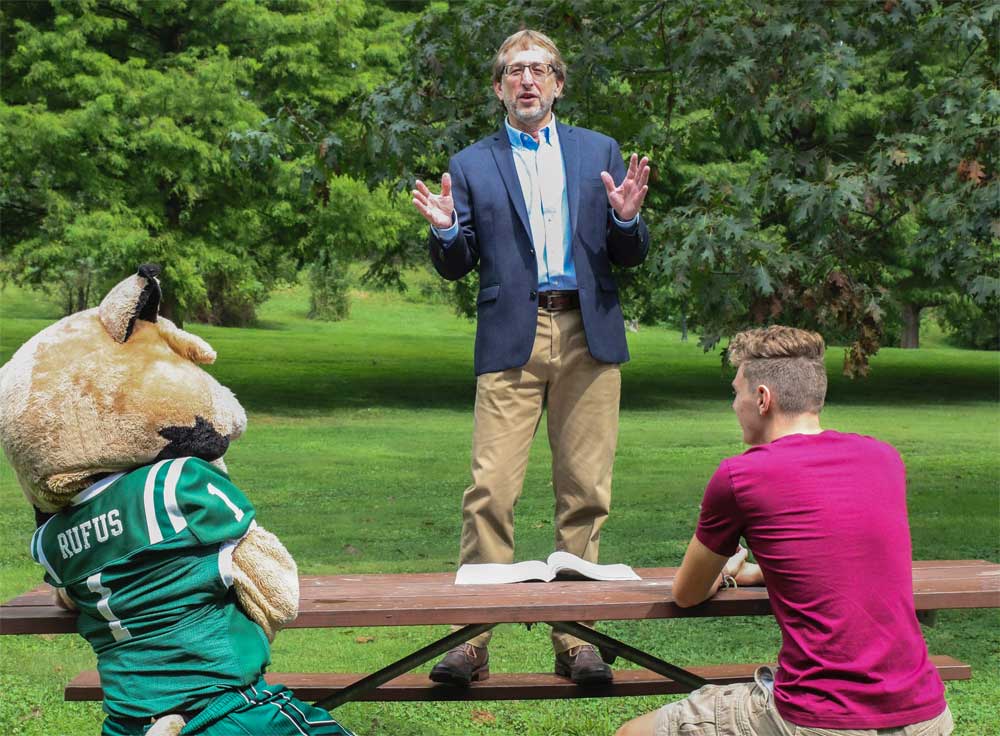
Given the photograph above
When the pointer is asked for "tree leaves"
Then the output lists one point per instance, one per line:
(211, 128)
(819, 164)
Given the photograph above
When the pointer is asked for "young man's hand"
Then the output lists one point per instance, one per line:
(743, 572)
(734, 563)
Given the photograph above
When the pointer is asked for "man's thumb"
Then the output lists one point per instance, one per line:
(446, 185)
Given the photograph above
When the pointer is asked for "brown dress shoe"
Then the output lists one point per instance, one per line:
(583, 665)
(462, 665)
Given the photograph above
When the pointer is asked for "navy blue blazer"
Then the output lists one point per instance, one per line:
(494, 233)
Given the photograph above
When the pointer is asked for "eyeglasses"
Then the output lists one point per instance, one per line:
(537, 70)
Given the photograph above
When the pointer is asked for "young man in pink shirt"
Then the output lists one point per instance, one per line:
(825, 516)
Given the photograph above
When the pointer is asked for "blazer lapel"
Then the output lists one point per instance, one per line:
(504, 158)
(570, 145)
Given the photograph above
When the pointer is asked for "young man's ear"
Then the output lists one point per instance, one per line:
(763, 399)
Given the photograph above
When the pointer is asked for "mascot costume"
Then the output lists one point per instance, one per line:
(117, 438)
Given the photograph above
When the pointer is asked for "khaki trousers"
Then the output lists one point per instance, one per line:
(581, 397)
(747, 709)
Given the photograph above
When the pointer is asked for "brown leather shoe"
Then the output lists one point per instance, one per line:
(583, 665)
(462, 665)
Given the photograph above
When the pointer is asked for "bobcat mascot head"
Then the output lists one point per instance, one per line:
(110, 389)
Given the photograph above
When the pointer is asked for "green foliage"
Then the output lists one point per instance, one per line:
(328, 284)
(377, 226)
(815, 164)
(972, 325)
(130, 134)
(823, 164)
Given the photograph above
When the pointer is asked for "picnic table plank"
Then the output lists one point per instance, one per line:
(503, 686)
(404, 599)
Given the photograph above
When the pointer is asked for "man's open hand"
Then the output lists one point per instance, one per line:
(437, 209)
(627, 197)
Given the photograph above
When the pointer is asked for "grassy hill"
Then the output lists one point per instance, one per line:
(357, 452)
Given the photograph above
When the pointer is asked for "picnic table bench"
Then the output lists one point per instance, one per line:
(432, 598)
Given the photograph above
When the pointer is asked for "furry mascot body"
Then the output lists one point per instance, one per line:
(117, 437)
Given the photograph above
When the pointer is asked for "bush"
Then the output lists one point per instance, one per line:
(972, 325)
(328, 283)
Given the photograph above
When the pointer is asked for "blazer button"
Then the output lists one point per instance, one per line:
(533, 294)
(532, 251)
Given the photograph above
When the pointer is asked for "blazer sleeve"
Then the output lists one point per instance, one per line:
(455, 259)
(624, 248)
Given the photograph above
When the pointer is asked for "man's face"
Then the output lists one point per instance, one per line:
(528, 98)
(746, 404)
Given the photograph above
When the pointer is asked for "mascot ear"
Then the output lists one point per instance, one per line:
(184, 343)
(137, 297)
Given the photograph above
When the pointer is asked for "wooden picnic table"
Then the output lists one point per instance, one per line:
(433, 598)
(416, 599)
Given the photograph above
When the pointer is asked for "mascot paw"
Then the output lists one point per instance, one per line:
(167, 726)
(266, 581)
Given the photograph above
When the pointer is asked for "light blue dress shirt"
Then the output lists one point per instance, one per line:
(542, 176)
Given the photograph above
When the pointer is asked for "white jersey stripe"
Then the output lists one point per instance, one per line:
(94, 488)
(36, 540)
(39, 552)
(118, 631)
(177, 520)
(226, 550)
(290, 704)
(149, 499)
(282, 712)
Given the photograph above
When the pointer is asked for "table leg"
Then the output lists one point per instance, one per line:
(402, 666)
(621, 649)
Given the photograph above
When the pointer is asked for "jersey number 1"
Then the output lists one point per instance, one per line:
(237, 511)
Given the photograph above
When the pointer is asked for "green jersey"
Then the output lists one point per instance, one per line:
(147, 558)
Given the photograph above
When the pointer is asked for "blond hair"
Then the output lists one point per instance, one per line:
(523, 40)
(787, 360)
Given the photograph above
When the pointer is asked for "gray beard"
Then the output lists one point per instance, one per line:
(529, 118)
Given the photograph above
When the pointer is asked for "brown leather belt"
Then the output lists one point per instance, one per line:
(558, 301)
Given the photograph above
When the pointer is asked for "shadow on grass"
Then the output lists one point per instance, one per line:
(889, 385)
(301, 389)
(271, 325)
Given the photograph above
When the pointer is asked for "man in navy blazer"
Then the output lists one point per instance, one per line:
(536, 208)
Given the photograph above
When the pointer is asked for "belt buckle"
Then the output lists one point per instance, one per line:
(555, 300)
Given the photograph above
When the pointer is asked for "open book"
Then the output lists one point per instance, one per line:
(558, 564)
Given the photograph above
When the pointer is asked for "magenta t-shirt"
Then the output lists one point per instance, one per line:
(825, 517)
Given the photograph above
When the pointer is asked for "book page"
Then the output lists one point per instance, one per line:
(496, 573)
(560, 561)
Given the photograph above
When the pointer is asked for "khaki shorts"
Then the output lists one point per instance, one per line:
(747, 709)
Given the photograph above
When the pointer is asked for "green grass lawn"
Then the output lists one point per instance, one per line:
(357, 452)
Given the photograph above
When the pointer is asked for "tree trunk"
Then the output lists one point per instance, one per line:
(169, 308)
(911, 326)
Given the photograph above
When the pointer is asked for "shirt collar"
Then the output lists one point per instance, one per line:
(523, 140)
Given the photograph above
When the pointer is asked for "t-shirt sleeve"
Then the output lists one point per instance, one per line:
(215, 510)
(720, 523)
